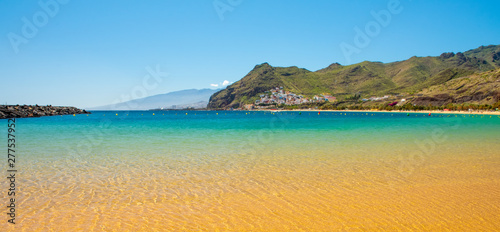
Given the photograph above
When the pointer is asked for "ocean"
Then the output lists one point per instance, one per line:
(256, 171)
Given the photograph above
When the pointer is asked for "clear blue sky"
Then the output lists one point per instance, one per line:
(90, 53)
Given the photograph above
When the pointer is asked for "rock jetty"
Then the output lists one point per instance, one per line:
(26, 111)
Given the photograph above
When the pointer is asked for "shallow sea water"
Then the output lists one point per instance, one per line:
(257, 171)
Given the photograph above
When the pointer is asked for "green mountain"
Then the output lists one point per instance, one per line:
(366, 78)
(479, 88)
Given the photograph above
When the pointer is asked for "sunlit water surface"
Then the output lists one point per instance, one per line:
(256, 171)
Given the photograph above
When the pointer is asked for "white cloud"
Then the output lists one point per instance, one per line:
(221, 84)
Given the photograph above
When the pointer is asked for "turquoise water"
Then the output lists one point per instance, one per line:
(191, 170)
(229, 132)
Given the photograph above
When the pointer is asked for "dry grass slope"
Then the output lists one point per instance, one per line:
(406, 77)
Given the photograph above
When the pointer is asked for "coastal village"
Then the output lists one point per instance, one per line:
(278, 96)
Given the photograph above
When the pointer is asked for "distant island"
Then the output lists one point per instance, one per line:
(26, 111)
(461, 81)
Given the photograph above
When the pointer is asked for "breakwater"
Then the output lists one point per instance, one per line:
(26, 111)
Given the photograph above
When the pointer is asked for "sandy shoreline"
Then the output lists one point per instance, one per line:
(394, 111)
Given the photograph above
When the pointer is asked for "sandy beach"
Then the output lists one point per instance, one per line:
(386, 111)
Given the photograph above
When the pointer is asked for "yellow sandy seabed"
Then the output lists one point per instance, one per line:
(275, 193)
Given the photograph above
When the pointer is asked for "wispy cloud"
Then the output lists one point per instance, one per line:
(222, 84)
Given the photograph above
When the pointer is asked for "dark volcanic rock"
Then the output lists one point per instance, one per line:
(17, 111)
(479, 96)
(496, 56)
(447, 55)
(437, 100)
(444, 99)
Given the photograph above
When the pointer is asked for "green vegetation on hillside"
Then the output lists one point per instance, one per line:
(362, 80)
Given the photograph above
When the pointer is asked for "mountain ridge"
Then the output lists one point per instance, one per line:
(406, 77)
(179, 99)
